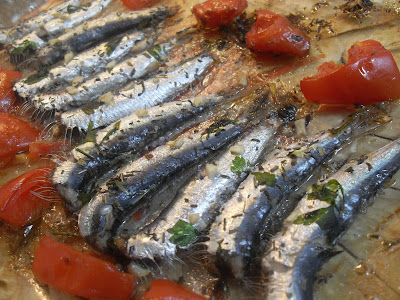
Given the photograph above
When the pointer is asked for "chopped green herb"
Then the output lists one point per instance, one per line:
(86, 197)
(312, 216)
(90, 133)
(156, 52)
(183, 234)
(90, 107)
(28, 47)
(265, 178)
(35, 78)
(218, 127)
(111, 45)
(239, 165)
(327, 192)
(111, 131)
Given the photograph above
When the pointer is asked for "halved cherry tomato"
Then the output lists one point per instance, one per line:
(42, 149)
(7, 96)
(163, 289)
(274, 33)
(370, 75)
(137, 4)
(15, 135)
(25, 198)
(214, 13)
(65, 268)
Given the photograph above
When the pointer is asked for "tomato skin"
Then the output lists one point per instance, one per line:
(214, 13)
(274, 33)
(370, 75)
(7, 96)
(19, 204)
(163, 289)
(15, 135)
(42, 149)
(65, 268)
(137, 4)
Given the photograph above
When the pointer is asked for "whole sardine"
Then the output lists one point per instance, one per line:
(76, 178)
(297, 253)
(261, 203)
(143, 95)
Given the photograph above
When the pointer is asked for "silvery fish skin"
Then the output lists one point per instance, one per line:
(60, 23)
(92, 32)
(84, 64)
(115, 200)
(128, 136)
(143, 95)
(256, 210)
(106, 81)
(296, 253)
(201, 199)
(29, 25)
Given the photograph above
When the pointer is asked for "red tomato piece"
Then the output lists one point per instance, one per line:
(370, 75)
(42, 149)
(15, 135)
(25, 198)
(274, 33)
(163, 289)
(7, 96)
(137, 4)
(65, 268)
(214, 13)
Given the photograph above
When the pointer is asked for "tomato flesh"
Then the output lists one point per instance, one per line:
(65, 268)
(137, 4)
(7, 96)
(25, 198)
(274, 33)
(214, 13)
(370, 75)
(43, 149)
(15, 135)
(163, 289)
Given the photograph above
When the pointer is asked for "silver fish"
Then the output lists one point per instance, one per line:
(149, 93)
(62, 21)
(259, 206)
(84, 65)
(29, 25)
(92, 32)
(99, 220)
(129, 69)
(129, 136)
(296, 253)
(199, 202)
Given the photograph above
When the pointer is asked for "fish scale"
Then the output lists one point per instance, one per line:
(299, 250)
(143, 95)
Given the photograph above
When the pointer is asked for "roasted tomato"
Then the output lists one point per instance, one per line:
(275, 33)
(214, 13)
(7, 96)
(137, 4)
(370, 75)
(25, 198)
(15, 135)
(65, 268)
(163, 289)
(42, 149)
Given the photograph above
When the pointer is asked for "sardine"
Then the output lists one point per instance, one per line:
(74, 16)
(83, 65)
(261, 202)
(199, 202)
(29, 25)
(106, 81)
(75, 179)
(99, 220)
(95, 31)
(143, 95)
(296, 253)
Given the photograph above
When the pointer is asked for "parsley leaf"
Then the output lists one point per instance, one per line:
(27, 47)
(239, 165)
(312, 216)
(184, 234)
(265, 178)
(110, 47)
(90, 134)
(327, 192)
(111, 131)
